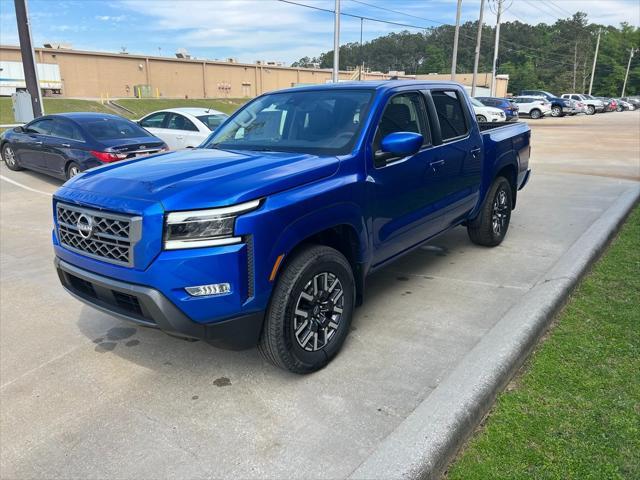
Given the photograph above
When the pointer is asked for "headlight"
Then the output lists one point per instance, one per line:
(204, 228)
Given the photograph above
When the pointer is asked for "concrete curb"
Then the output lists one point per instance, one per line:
(425, 442)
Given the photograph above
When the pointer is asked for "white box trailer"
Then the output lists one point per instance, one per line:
(12, 78)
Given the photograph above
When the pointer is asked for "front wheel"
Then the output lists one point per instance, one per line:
(481, 118)
(9, 157)
(591, 110)
(535, 114)
(310, 311)
(492, 223)
(556, 111)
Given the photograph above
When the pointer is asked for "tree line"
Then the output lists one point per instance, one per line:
(556, 57)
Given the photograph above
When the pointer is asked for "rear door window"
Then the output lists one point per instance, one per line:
(65, 129)
(453, 122)
(180, 122)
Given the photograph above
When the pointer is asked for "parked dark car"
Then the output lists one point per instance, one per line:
(635, 101)
(559, 106)
(66, 144)
(509, 108)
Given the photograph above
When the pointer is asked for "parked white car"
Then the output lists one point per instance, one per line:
(593, 104)
(534, 107)
(487, 114)
(182, 127)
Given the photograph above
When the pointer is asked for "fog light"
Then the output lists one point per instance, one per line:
(213, 289)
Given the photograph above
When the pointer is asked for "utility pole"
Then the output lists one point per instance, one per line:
(28, 57)
(495, 48)
(361, 55)
(336, 43)
(626, 75)
(595, 59)
(454, 59)
(575, 66)
(474, 81)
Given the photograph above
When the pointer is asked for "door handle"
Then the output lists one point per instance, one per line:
(37, 143)
(179, 138)
(435, 165)
(475, 152)
(66, 145)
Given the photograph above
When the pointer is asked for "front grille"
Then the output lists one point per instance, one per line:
(107, 236)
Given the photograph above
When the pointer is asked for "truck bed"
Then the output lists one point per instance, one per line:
(484, 126)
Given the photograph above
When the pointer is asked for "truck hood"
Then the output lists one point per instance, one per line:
(205, 178)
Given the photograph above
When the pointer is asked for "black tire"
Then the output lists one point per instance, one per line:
(591, 110)
(499, 202)
(279, 343)
(10, 158)
(556, 111)
(73, 169)
(535, 114)
(481, 118)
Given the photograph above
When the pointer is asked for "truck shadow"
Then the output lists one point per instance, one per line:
(174, 356)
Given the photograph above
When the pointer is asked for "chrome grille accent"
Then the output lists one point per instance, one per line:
(111, 238)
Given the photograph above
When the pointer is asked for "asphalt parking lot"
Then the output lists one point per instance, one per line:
(84, 395)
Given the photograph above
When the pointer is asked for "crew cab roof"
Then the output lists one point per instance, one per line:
(371, 85)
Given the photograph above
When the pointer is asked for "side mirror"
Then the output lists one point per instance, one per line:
(398, 145)
(19, 129)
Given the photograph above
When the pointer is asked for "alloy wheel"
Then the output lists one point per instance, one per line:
(73, 171)
(9, 156)
(555, 112)
(318, 311)
(500, 212)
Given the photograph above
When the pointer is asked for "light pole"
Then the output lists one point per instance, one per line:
(454, 59)
(626, 75)
(595, 59)
(495, 49)
(474, 80)
(336, 43)
(28, 57)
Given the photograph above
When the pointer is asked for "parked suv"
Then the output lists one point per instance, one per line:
(266, 233)
(534, 107)
(593, 104)
(509, 108)
(559, 106)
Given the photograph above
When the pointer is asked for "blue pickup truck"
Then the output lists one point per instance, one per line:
(265, 234)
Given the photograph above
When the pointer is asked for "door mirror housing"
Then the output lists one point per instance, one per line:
(398, 145)
(19, 129)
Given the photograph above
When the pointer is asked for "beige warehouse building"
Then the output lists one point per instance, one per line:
(87, 74)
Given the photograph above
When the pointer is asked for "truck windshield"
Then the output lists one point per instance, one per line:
(316, 122)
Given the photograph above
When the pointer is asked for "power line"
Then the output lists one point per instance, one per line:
(560, 8)
(399, 12)
(344, 14)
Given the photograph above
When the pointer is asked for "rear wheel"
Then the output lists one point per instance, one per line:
(72, 170)
(481, 118)
(491, 225)
(9, 157)
(310, 311)
(535, 114)
(591, 110)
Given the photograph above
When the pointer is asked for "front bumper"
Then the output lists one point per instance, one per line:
(149, 307)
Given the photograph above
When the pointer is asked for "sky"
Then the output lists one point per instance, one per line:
(251, 30)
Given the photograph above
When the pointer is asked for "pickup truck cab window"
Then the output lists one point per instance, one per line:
(453, 123)
(323, 122)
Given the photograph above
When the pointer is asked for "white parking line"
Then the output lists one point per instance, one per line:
(2, 177)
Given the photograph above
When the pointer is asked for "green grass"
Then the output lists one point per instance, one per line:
(140, 107)
(574, 412)
(143, 106)
(53, 105)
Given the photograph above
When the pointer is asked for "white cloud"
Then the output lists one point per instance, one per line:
(111, 18)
